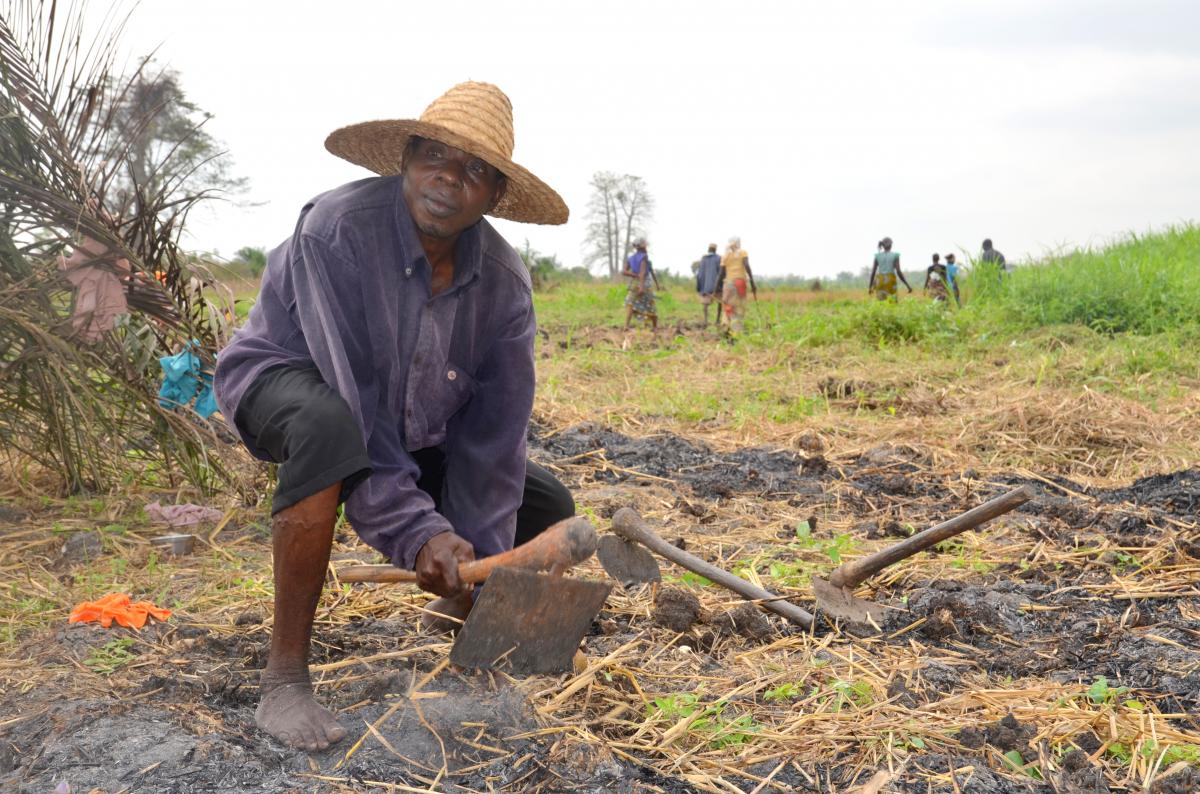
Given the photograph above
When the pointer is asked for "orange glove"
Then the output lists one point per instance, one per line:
(117, 606)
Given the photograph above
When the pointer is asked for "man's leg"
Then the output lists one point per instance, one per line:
(628, 315)
(293, 418)
(301, 537)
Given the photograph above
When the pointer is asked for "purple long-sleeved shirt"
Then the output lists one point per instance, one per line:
(349, 293)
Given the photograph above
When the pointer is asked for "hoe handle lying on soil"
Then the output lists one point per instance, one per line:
(853, 573)
(629, 525)
(561, 546)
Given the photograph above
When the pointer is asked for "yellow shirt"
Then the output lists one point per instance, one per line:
(734, 263)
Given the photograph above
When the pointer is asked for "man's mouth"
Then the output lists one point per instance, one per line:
(440, 208)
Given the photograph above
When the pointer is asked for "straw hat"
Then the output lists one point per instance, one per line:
(473, 117)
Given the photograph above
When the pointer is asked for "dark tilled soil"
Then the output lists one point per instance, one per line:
(1076, 639)
(191, 729)
(754, 470)
(195, 739)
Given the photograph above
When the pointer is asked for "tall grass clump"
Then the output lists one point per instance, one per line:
(1141, 284)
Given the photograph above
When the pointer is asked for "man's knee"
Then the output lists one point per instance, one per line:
(324, 425)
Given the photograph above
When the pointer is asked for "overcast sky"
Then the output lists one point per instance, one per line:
(809, 129)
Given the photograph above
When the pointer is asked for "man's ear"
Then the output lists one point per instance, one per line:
(501, 191)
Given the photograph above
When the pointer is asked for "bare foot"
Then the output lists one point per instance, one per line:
(290, 714)
(455, 611)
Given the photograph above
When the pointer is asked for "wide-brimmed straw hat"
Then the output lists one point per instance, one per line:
(473, 117)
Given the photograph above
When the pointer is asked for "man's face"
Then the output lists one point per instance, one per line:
(447, 189)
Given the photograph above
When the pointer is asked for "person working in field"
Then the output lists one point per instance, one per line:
(639, 299)
(935, 281)
(388, 364)
(884, 272)
(735, 275)
(707, 275)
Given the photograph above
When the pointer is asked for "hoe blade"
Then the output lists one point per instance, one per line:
(627, 562)
(840, 603)
(525, 622)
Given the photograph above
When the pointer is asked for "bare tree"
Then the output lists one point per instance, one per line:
(618, 211)
(158, 134)
(602, 241)
(636, 206)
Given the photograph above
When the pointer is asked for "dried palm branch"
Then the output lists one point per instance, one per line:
(78, 393)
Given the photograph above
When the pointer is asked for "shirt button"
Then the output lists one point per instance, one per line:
(451, 375)
(408, 271)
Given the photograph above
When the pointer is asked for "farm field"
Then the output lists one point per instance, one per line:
(1053, 650)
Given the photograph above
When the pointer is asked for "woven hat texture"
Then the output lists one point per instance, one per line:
(473, 117)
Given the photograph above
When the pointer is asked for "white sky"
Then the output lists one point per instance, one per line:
(810, 129)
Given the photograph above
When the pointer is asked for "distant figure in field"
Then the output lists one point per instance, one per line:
(884, 272)
(952, 278)
(707, 275)
(735, 274)
(992, 256)
(639, 299)
(936, 281)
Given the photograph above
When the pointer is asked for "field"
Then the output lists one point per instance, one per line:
(1053, 650)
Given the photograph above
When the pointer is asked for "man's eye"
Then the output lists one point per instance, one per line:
(434, 152)
(478, 167)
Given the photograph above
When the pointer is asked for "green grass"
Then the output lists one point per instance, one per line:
(1123, 319)
(1142, 284)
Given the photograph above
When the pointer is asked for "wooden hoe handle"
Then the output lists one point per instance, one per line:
(561, 546)
(852, 573)
(629, 525)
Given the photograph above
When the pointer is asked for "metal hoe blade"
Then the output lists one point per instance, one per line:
(840, 602)
(525, 622)
(627, 562)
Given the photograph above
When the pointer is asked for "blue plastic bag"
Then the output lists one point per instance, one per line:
(184, 381)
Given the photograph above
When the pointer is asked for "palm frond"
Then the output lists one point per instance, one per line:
(89, 410)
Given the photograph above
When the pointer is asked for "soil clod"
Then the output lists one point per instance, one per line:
(746, 620)
(82, 547)
(676, 609)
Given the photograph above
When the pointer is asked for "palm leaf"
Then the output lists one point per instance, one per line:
(89, 411)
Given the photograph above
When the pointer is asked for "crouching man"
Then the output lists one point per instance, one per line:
(388, 364)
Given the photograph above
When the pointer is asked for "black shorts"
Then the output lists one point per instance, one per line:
(296, 420)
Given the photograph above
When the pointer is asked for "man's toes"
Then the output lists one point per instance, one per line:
(312, 739)
(334, 732)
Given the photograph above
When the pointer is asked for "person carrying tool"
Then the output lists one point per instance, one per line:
(388, 365)
(735, 273)
(707, 274)
(639, 299)
(884, 271)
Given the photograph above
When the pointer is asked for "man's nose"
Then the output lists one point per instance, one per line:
(452, 172)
